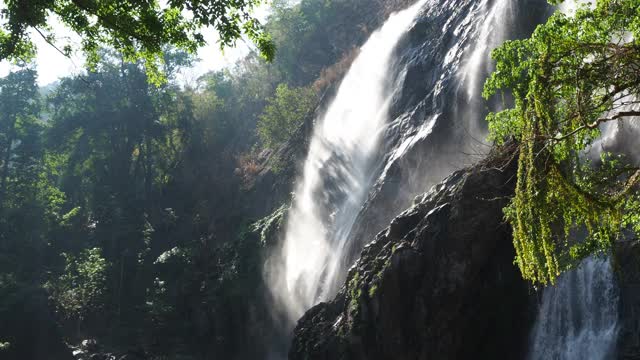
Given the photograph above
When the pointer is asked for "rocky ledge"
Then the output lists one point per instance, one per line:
(438, 283)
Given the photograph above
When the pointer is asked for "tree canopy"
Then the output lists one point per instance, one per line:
(284, 114)
(574, 74)
(137, 29)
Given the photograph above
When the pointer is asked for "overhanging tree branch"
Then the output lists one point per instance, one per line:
(596, 123)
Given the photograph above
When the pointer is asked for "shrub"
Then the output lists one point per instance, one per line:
(79, 291)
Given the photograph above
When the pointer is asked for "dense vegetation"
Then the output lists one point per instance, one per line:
(125, 199)
(574, 74)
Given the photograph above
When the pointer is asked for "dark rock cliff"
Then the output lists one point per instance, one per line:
(438, 283)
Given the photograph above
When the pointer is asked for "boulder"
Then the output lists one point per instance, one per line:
(438, 283)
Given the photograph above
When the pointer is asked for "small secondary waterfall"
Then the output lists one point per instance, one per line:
(338, 172)
(578, 318)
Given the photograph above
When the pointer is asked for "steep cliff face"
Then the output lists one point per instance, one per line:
(438, 283)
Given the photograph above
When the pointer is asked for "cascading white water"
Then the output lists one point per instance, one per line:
(498, 18)
(338, 172)
(578, 318)
(491, 34)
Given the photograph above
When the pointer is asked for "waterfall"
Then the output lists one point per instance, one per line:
(385, 137)
(338, 173)
(578, 318)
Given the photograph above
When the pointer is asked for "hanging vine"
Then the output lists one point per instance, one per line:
(573, 75)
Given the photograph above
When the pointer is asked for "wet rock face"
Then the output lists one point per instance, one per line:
(438, 283)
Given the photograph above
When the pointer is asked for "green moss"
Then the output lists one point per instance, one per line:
(372, 290)
(355, 292)
(354, 285)
(378, 276)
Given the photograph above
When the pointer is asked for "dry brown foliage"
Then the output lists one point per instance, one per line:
(335, 72)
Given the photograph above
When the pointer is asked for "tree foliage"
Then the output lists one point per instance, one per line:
(81, 288)
(137, 184)
(137, 29)
(284, 113)
(572, 75)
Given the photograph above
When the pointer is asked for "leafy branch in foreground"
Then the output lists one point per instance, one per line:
(137, 29)
(571, 76)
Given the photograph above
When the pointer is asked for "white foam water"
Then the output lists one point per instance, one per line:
(337, 173)
(578, 318)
